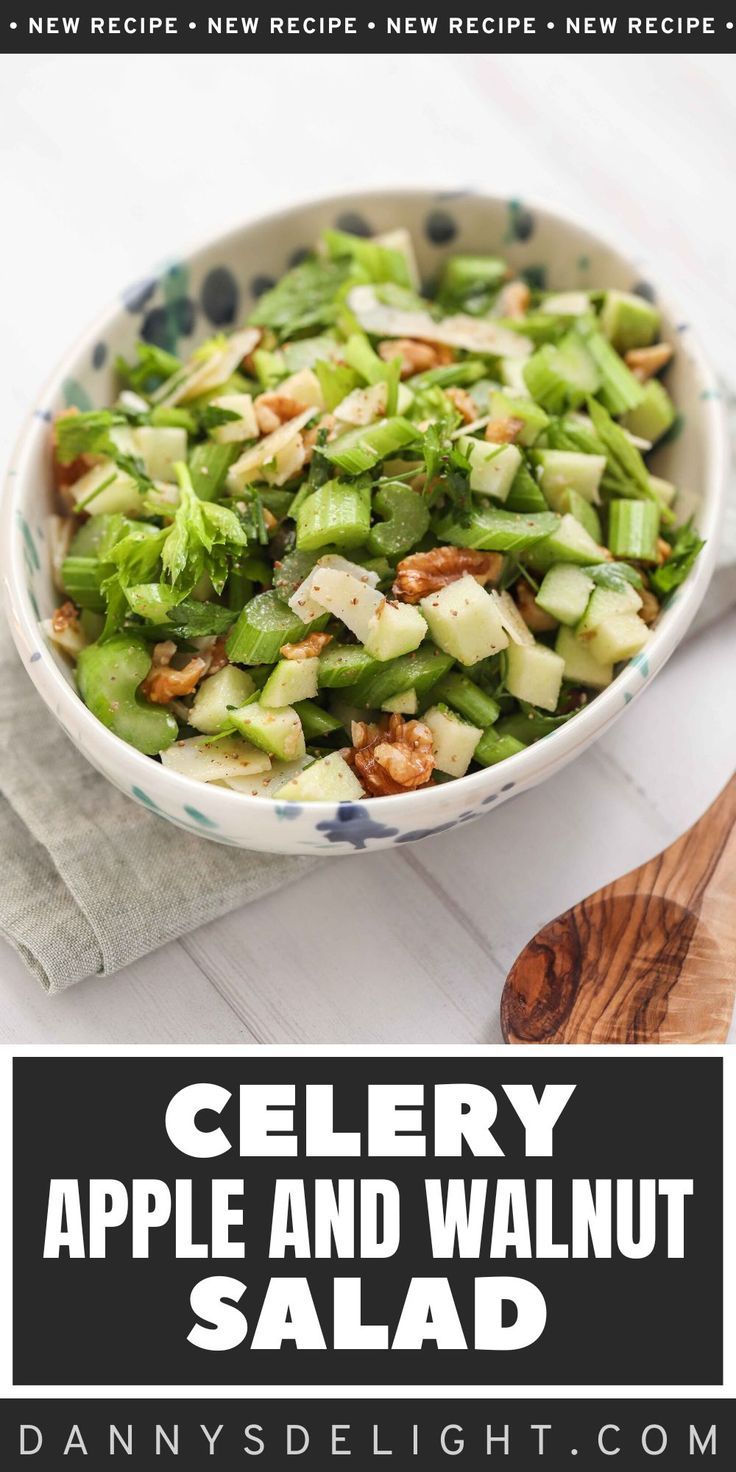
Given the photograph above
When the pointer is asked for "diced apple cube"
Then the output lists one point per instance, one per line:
(291, 680)
(464, 621)
(454, 740)
(534, 674)
(619, 637)
(492, 470)
(394, 629)
(328, 780)
(217, 695)
(245, 427)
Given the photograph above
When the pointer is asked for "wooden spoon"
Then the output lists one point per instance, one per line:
(650, 958)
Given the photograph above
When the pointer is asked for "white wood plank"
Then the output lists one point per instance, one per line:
(362, 949)
(163, 998)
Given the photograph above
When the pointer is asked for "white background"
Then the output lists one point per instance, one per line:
(110, 165)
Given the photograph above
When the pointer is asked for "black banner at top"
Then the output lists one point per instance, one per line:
(307, 28)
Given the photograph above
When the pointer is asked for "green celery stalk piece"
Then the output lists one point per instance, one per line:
(405, 520)
(633, 529)
(263, 626)
(360, 449)
(338, 514)
(418, 671)
(491, 530)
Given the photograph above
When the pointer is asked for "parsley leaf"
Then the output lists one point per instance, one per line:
(306, 297)
(686, 544)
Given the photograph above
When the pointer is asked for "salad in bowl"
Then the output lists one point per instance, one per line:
(376, 538)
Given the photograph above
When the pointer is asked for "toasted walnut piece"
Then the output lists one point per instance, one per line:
(426, 572)
(504, 431)
(649, 606)
(645, 362)
(248, 360)
(307, 648)
(274, 409)
(464, 403)
(534, 617)
(311, 435)
(164, 683)
(416, 356)
(514, 300)
(392, 758)
(664, 550)
(64, 616)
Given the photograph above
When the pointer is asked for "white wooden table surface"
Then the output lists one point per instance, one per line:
(410, 946)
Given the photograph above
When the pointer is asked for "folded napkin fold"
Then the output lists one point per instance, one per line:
(90, 880)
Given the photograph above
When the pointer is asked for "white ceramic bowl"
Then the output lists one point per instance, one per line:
(214, 287)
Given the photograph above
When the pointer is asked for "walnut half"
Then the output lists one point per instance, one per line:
(426, 572)
(393, 757)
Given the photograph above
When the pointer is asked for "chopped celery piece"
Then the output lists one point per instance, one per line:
(525, 493)
(581, 666)
(565, 592)
(364, 360)
(315, 721)
(568, 502)
(467, 275)
(534, 674)
(462, 374)
(336, 515)
(405, 520)
(560, 377)
(654, 414)
(633, 529)
(208, 466)
(361, 449)
(379, 262)
(454, 740)
(493, 748)
(618, 389)
(630, 474)
(569, 542)
(417, 671)
(532, 417)
(566, 468)
(80, 579)
(492, 530)
(629, 321)
(465, 696)
(109, 675)
(263, 626)
(529, 725)
(290, 572)
(344, 664)
(336, 382)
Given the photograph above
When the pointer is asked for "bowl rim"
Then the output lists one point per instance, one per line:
(559, 745)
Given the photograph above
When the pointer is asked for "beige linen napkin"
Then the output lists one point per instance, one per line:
(89, 881)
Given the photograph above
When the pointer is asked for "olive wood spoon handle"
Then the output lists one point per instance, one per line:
(650, 958)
